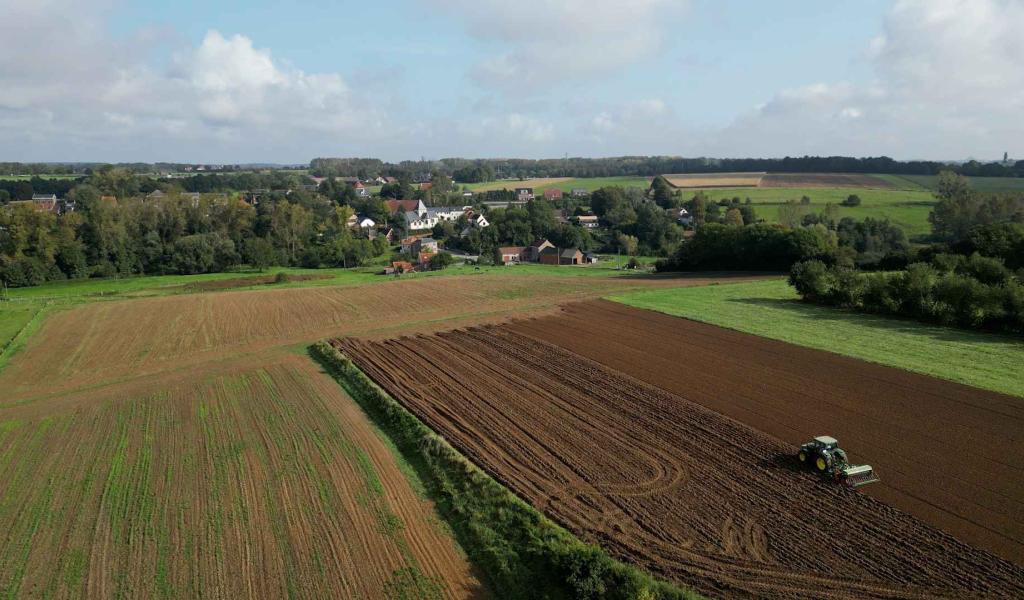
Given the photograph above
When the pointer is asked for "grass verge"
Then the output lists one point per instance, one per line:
(522, 553)
(772, 309)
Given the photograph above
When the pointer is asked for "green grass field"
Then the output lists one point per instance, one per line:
(587, 183)
(28, 177)
(981, 184)
(908, 209)
(771, 309)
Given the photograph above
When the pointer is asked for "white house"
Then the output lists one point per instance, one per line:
(366, 223)
(425, 217)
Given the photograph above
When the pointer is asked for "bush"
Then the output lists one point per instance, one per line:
(758, 247)
(851, 200)
(950, 294)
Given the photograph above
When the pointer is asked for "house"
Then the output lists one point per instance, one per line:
(426, 244)
(367, 223)
(426, 217)
(682, 216)
(45, 203)
(579, 192)
(389, 235)
(590, 258)
(380, 180)
(414, 246)
(552, 194)
(570, 256)
(398, 267)
(532, 253)
(352, 222)
(511, 254)
(559, 215)
(524, 194)
(402, 206)
(587, 221)
(424, 259)
(467, 194)
(360, 189)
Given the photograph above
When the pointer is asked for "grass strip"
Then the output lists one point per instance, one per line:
(522, 553)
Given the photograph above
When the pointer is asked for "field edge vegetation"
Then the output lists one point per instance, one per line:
(522, 553)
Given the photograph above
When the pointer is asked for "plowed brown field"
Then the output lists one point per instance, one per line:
(947, 453)
(263, 482)
(664, 482)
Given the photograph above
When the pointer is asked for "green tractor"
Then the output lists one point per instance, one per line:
(824, 455)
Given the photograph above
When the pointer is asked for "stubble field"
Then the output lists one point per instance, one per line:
(256, 482)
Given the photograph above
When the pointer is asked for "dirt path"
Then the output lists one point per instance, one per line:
(664, 482)
(947, 453)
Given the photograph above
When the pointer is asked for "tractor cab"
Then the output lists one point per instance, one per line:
(824, 455)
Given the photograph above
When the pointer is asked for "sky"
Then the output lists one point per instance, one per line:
(257, 81)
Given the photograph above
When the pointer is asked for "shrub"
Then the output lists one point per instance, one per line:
(851, 200)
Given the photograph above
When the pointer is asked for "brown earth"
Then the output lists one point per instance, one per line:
(664, 482)
(227, 284)
(107, 342)
(710, 180)
(947, 453)
(182, 446)
(256, 482)
(824, 180)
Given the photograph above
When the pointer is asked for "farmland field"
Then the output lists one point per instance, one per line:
(164, 437)
(772, 309)
(906, 208)
(920, 433)
(565, 184)
(982, 184)
(256, 482)
(711, 180)
(825, 180)
(537, 184)
(699, 498)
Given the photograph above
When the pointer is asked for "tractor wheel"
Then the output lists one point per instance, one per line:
(821, 464)
(802, 456)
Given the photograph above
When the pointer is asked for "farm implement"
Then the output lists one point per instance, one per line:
(825, 456)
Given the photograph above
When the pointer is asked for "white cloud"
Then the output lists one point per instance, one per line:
(547, 42)
(949, 84)
(97, 93)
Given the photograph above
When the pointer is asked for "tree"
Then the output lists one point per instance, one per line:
(441, 260)
(851, 200)
(805, 200)
(627, 244)
(259, 253)
(662, 192)
(734, 217)
(791, 214)
(698, 208)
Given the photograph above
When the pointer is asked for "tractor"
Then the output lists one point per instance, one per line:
(824, 455)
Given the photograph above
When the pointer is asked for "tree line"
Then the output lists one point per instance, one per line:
(105, 237)
(972, 277)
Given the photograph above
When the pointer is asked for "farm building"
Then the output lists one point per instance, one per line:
(590, 258)
(415, 246)
(553, 194)
(570, 256)
(579, 192)
(532, 252)
(524, 194)
(511, 254)
(398, 267)
(587, 221)
(360, 189)
(425, 217)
